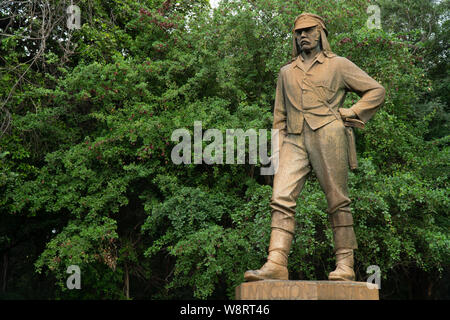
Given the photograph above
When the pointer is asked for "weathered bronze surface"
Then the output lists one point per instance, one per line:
(305, 290)
(316, 134)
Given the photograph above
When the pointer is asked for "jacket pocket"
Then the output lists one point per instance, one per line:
(324, 90)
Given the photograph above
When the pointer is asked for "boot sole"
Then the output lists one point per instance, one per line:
(249, 277)
(341, 279)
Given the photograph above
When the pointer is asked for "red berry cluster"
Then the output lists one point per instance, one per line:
(167, 24)
(345, 40)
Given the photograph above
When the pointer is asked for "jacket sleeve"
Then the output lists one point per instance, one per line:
(371, 92)
(279, 112)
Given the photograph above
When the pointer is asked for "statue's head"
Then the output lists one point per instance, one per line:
(308, 33)
(307, 39)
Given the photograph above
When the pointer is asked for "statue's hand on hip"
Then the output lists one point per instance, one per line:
(347, 113)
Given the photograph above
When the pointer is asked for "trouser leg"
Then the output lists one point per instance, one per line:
(327, 149)
(288, 182)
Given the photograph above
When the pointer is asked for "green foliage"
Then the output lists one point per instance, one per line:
(203, 230)
(85, 163)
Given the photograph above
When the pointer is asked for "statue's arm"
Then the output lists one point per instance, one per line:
(371, 92)
(279, 112)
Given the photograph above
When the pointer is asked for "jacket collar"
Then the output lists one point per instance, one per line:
(320, 57)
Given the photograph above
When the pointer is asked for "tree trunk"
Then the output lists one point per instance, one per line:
(430, 290)
(127, 282)
(5, 271)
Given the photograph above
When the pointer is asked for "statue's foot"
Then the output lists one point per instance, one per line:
(342, 273)
(269, 271)
(344, 266)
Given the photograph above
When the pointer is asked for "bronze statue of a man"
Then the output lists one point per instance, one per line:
(310, 91)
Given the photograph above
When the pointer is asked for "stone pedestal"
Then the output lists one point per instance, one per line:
(305, 290)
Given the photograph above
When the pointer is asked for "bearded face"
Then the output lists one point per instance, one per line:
(307, 39)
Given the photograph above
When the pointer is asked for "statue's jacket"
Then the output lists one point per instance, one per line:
(316, 93)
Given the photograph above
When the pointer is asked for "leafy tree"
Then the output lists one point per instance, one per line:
(88, 116)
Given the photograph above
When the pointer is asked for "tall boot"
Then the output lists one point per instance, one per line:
(344, 243)
(344, 266)
(276, 265)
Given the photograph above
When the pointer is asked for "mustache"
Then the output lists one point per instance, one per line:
(306, 40)
(303, 41)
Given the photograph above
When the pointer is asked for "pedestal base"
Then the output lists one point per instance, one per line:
(305, 290)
